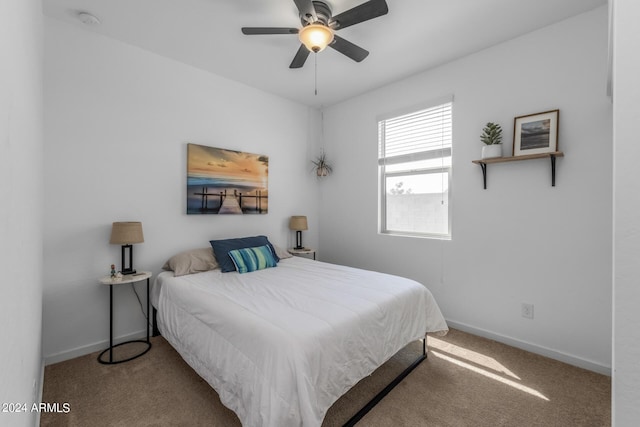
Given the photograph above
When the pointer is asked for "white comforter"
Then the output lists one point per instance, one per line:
(281, 345)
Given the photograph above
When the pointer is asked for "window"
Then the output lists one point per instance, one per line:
(414, 162)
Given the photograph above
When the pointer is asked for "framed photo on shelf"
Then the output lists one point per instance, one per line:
(536, 133)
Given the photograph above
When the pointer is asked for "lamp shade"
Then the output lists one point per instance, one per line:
(298, 223)
(126, 233)
(316, 37)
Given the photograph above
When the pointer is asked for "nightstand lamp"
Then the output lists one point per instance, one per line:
(298, 223)
(126, 234)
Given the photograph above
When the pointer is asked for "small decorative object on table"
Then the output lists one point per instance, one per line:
(113, 271)
(492, 138)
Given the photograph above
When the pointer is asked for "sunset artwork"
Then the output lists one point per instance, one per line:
(221, 181)
(536, 133)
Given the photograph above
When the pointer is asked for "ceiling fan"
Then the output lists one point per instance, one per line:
(318, 28)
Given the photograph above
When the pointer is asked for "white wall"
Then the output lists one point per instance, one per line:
(626, 109)
(21, 191)
(520, 240)
(117, 121)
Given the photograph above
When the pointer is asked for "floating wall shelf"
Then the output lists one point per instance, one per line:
(484, 162)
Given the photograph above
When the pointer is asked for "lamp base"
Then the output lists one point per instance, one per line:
(128, 270)
(298, 240)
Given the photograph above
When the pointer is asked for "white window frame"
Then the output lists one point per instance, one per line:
(444, 149)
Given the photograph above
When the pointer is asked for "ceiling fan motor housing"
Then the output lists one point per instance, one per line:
(323, 13)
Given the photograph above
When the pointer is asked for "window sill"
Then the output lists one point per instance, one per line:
(416, 235)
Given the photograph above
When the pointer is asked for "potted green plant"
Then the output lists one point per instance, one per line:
(321, 167)
(492, 138)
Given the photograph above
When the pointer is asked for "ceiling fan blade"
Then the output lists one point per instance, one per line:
(268, 30)
(349, 49)
(300, 58)
(307, 10)
(364, 12)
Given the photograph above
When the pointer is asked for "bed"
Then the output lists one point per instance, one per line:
(281, 345)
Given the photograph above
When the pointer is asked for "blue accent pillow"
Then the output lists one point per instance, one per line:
(221, 249)
(251, 259)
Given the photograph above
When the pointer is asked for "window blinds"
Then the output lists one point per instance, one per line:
(421, 135)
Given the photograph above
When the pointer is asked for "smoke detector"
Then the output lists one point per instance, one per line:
(87, 19)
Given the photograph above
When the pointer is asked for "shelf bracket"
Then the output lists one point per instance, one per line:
(553, 170)
(484, 174)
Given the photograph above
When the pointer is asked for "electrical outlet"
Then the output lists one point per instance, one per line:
(527, 310)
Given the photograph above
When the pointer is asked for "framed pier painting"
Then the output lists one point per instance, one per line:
(221, 181)
(536, 133)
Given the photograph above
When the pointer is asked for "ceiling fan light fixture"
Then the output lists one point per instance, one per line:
(316, 37)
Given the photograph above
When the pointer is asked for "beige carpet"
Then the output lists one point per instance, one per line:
(466, 381)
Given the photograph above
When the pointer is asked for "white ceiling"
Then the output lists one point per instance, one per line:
(414, 36)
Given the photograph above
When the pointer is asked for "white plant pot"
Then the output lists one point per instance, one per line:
(490, 151)
(322, 171)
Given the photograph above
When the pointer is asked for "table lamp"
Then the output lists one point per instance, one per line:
(126, 234)
(298, 223)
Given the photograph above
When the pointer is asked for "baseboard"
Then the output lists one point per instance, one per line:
(38, 396)
(91, 348)
(533, 348)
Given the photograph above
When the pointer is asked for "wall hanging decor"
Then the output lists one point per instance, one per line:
(321, 167)
(536, 133)
(221, 181)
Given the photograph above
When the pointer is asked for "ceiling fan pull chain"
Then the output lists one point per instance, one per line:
(315, 56)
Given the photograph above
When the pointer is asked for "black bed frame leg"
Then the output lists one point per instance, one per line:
(156, 331)
(378, 397)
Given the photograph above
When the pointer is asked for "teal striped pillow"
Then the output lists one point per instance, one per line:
(251, 259)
